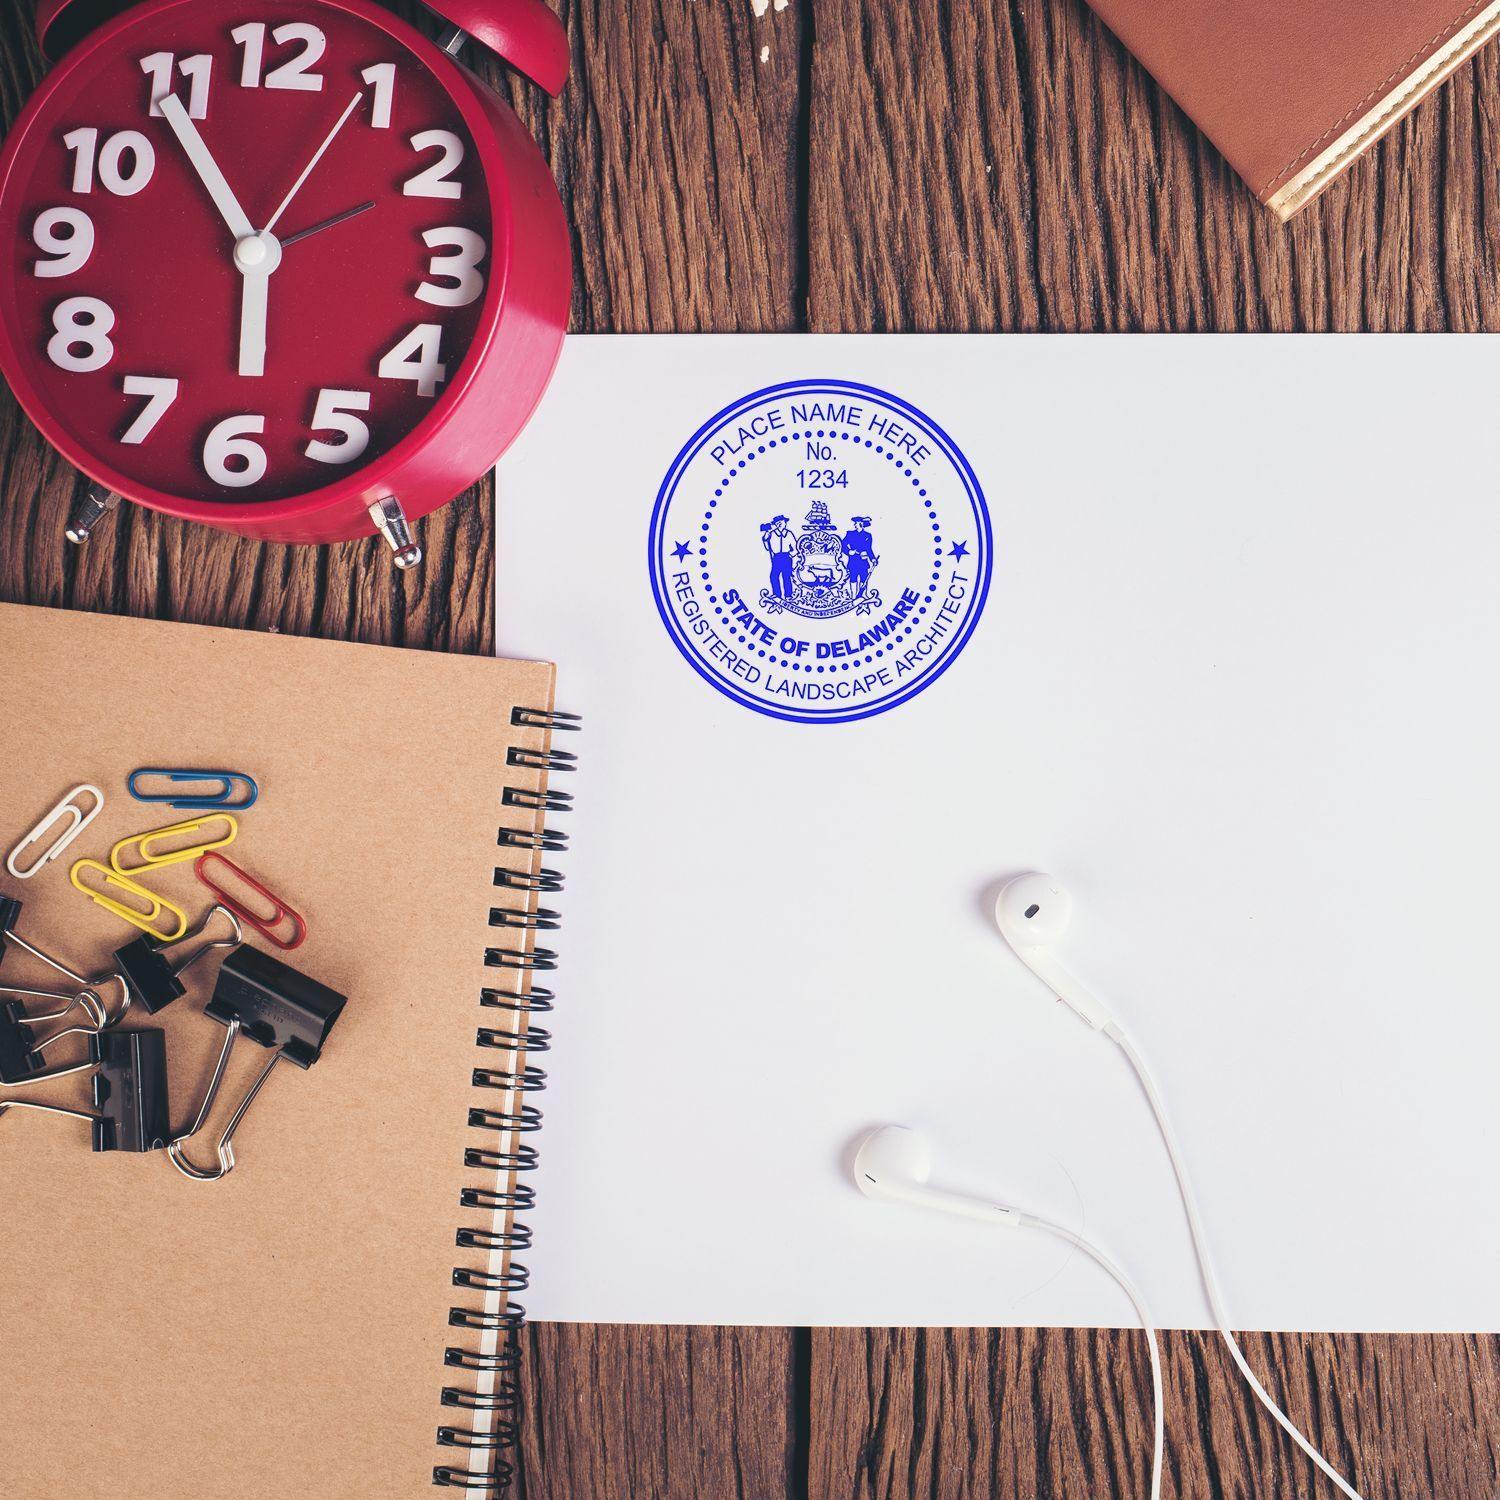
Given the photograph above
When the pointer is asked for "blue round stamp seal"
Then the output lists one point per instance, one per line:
(820, 551)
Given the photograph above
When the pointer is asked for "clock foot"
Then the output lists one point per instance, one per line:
(392, 524)
(95, 504)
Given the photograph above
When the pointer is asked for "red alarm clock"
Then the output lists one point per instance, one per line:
(281, 266)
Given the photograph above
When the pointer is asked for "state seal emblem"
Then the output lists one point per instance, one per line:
(820, 551)
(819, 573)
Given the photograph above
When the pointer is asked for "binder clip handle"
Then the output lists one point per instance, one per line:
(10, 912)
(21, 1053)
(224, 1149)
(274, 1005)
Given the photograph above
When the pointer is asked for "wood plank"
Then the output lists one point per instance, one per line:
(676, 150)
(631, 1413)
(1010, 167)
(960, 1414)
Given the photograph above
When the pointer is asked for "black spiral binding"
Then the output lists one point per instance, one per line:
(514, 1075)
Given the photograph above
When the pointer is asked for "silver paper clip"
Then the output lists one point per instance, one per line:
(78, 820)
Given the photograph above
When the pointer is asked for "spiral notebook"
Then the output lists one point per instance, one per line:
(336, 1316)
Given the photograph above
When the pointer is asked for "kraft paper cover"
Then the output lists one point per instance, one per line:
(280, 1332)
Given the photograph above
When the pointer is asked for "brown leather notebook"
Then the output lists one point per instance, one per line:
(331, 1317)
(1292, 91)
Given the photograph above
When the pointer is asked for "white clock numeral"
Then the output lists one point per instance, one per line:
(82, 323)
(123, 182)
(434, 181)
(158, 68)
(231, 440)
(160, 392)
(84, 144)
(296, 72)
(198, 70)
(334, 413)
(72, 250)
(418, 357)
(252, 39)
(381, 78)
(461, 267)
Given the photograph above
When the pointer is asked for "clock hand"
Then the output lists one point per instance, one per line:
(255, 256)
(198, 154)
(255, 259)
(337, 219)
(349, 109)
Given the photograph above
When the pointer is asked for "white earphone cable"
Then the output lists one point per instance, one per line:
(1205, 1268)
(1033, 1221)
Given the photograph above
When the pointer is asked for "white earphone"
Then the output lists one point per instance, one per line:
(1032, 912)
(893, 1163)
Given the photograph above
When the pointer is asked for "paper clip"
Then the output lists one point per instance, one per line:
(268, 926)
(274, 1005)
(78, 820)
(154, 905)
(221, 800)
(130, 1091)
(149, 976)
(150, 860)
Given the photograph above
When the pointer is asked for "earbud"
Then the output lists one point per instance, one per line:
(894, 1163)
(1032, 912)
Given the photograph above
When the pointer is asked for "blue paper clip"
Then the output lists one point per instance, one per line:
(222, 799)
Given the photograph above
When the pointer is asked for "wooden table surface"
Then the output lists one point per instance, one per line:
(928, 165)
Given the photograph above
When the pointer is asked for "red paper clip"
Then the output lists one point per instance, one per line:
(265, 925)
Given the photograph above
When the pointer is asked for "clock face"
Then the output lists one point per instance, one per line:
(247, 246)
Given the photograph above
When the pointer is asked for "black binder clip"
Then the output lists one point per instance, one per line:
(151, 977)
(274, 1005)
(20, 1052)
(10, 911)
(130, 1091)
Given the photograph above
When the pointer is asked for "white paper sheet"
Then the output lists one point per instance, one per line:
(1234, 682)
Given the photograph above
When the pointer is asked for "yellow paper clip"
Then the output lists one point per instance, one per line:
(144, 842)
(155, 905)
